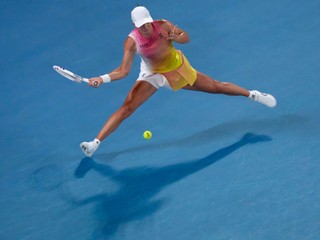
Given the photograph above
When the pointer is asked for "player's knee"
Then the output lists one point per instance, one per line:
(125, 111)
(220, 87)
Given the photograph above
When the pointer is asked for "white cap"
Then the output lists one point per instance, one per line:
(140, 15)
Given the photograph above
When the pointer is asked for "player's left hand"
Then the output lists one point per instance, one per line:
(172, 35)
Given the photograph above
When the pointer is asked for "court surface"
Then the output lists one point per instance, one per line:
(217, 167)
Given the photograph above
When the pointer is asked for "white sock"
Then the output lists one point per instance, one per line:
(252, 95)
(97, 141)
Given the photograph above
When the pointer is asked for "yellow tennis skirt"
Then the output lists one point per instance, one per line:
(182, 76)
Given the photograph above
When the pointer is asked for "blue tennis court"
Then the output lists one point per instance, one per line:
(216, 168)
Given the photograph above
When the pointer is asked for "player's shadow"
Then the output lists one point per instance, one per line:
(135, 198)
(288, 123)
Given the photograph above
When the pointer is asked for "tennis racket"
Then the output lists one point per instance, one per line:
(70, 75)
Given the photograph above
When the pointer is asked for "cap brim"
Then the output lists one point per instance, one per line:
(143, 21)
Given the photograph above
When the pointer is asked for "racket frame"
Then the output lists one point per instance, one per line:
(70, 75)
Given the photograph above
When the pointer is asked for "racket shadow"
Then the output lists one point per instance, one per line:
(135, 198)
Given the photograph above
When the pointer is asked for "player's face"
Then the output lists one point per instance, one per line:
(146, 29)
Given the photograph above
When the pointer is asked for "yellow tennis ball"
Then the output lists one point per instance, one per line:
(147, 135)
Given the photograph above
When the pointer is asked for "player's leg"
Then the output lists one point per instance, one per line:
(206, 84)
(139, 93)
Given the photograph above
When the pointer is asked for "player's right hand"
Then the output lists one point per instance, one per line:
(95, 82)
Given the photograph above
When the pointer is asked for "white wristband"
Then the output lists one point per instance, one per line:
(106, 78)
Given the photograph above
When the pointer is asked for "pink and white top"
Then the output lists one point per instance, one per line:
(156, 52)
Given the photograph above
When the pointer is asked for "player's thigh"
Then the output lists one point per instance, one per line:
(204, 83)
(140, 92)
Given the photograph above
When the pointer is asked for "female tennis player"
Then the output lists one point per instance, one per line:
(161, 66)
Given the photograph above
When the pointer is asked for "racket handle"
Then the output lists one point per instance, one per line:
(85, 80)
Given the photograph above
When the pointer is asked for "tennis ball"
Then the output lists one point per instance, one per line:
(147, 135)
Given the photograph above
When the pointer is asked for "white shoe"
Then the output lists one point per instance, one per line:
(264, 98)
(88, 148)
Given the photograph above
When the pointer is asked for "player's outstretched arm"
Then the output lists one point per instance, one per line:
(123, 70)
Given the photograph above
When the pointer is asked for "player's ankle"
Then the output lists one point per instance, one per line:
(252, 94)
(97, 141)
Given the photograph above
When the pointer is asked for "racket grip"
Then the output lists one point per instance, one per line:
(85, 80)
